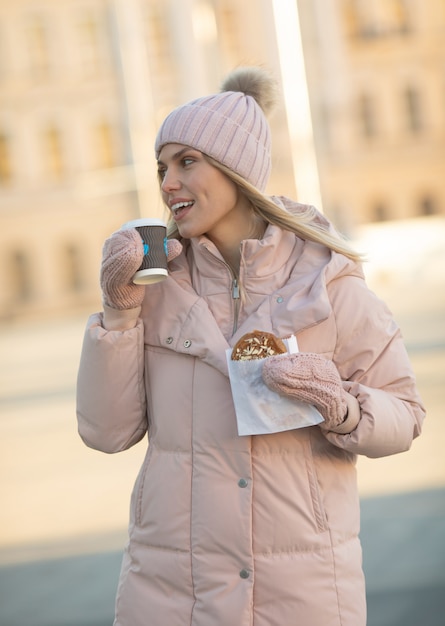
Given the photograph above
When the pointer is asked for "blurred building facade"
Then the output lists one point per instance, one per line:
(85, 83)
(376, 72)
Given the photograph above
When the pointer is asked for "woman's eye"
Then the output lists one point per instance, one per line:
(161, 173)
(187, 161)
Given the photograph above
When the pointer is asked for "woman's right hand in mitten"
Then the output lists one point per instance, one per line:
(122, 256)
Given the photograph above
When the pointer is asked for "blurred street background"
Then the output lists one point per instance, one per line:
(359, 132)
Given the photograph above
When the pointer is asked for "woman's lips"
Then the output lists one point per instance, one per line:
(180, 209)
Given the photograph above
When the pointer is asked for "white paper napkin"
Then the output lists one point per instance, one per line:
(259, 410)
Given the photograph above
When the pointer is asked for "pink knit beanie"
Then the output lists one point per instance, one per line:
(230, 126)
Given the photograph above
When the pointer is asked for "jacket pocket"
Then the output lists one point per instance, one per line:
(139, 487)
(314, 488)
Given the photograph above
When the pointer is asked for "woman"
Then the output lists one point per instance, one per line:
(228, 530)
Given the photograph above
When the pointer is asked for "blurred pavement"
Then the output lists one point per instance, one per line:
(65, 507)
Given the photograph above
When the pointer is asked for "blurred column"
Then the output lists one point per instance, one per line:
(296, 97)
(194, 36)
(333, 88)
(334, 70)
(130, 37)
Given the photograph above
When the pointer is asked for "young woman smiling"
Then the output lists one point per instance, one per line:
(256, 530)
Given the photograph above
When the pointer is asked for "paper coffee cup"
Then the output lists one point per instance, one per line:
(153, 233)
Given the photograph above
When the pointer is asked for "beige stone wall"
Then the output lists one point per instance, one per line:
(83, 87)
(85, 83)
(377, 84)
(66, 181)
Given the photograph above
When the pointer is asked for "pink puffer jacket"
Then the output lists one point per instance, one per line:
(254, 530)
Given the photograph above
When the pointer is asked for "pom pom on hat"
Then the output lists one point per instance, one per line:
(255, 82)
(230, 126)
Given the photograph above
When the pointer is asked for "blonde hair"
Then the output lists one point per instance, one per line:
(306, 225)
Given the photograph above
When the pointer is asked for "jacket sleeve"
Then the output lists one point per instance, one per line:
(371, 357)
(111, 401)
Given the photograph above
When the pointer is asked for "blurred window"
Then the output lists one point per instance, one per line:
(159, 41)
(5, 160)
(427, 206)
(53, 154)
(89, 48)
(229, 29)
(21, 276)
(376, 18)
(367, 116)
(37, 45)
(3, 53)
(412, 103)
(105, 145)
(380, 212)
(72, 268)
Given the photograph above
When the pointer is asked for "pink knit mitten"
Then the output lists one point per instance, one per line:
(311, 378)
(122, 256)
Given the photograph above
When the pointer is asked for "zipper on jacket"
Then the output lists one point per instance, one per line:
(235, 291)
(236, 301)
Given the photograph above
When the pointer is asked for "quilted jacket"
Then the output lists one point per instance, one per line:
(253, 530)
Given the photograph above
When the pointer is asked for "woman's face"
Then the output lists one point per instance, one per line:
(202, 199)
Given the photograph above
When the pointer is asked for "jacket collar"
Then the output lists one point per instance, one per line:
(262, 260)
(291, 274)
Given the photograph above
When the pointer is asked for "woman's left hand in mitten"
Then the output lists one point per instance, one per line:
(313, 379)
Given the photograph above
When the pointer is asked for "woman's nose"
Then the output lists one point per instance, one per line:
(170, 181)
